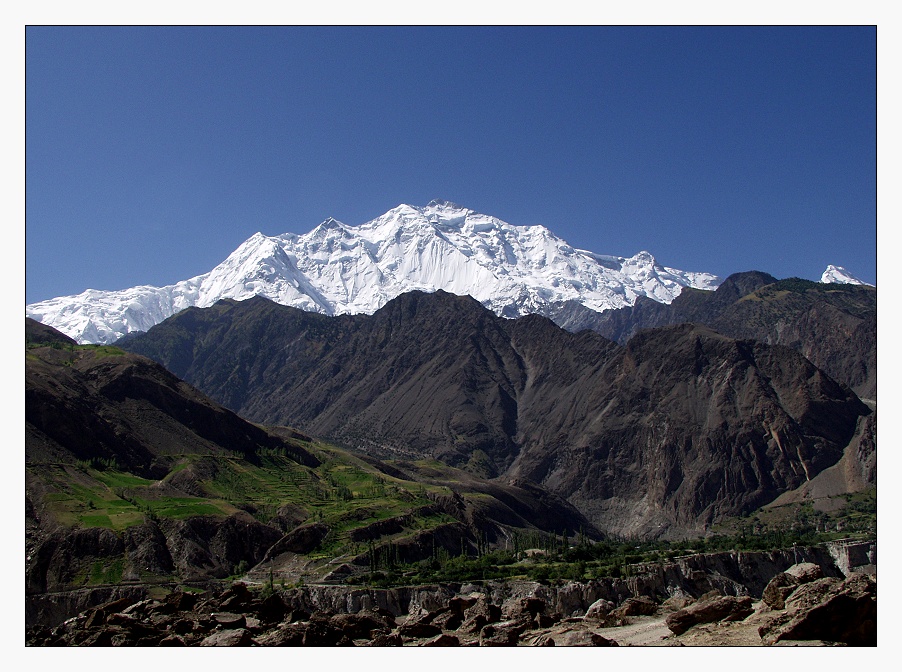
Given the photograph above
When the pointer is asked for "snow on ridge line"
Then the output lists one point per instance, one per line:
(839, 275)
(336, 268)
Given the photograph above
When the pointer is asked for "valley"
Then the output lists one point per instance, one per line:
(435, 464)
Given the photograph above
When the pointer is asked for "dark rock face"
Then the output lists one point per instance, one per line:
(834, 326)
(680, 427)
(300, 540)
(84, 404)
(677, 416)
(200, 547)
(37, 333)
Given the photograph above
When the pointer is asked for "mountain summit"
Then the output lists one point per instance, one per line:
(338, 269)
(837, 274)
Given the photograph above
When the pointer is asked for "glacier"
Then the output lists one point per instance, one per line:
(340, 269)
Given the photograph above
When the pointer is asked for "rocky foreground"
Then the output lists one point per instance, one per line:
(798, 606)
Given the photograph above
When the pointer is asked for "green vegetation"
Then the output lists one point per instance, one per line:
(106, 573)
(343, 492)
(823, 520)
(554, 559)
(96, 350)
(347, 494)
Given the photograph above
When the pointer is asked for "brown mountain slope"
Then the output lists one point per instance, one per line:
(833, 325)
(685, 425)
(107, 404)
(682, 426)
(37, 333)
(133, 474)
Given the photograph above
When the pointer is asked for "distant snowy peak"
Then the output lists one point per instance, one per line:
(337, 269)
(837, 274)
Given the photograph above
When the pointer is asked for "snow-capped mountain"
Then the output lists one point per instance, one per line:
(840, 275)
(336, 268)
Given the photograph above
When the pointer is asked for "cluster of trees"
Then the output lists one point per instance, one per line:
(98, 463)
(543, 557)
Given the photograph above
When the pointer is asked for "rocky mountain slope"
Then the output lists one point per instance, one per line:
(341, 269)
(133, 475)
(107, 404)
(834, 325)
(663, 436)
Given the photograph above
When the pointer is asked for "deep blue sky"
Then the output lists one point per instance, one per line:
(152, 153)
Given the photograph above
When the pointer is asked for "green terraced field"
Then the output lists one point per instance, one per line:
(343, 492)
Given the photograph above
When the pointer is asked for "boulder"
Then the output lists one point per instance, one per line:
(805, 572)
(479, 615)
(418, 628)
(271, 609)
(322, 632)
(599, 610)
(181, 601)
(119, 618)
(182, 626)
(778, 589)
(506, 633)
(828, 610)
(711, 610)
(98, 614)
(677, 602)
(97, 637)
(146, 606)
(230, 621)
(546, 620)
(442, 640)
(289, 634)
(526, 607)
(361, 625)
(448, 620)
(572, 636)
(583, 638)
(460, 603)
(811, 594)
(236, 596)
(391, 639)
(636, 606)
(239, 637)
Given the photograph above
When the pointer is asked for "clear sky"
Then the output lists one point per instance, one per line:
(152, 153)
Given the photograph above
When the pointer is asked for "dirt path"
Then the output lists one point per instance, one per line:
(652, 631)
(643, 631)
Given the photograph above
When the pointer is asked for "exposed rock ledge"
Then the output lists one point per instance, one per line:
(731, 573)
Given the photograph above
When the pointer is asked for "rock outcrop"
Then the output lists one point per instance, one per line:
(828, 609)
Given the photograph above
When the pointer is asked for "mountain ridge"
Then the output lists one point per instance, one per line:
(338, 269)
(679, 427)
(832, 324)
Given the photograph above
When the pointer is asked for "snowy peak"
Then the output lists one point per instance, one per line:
(441, 203)
(337, 269)
(839, 275)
